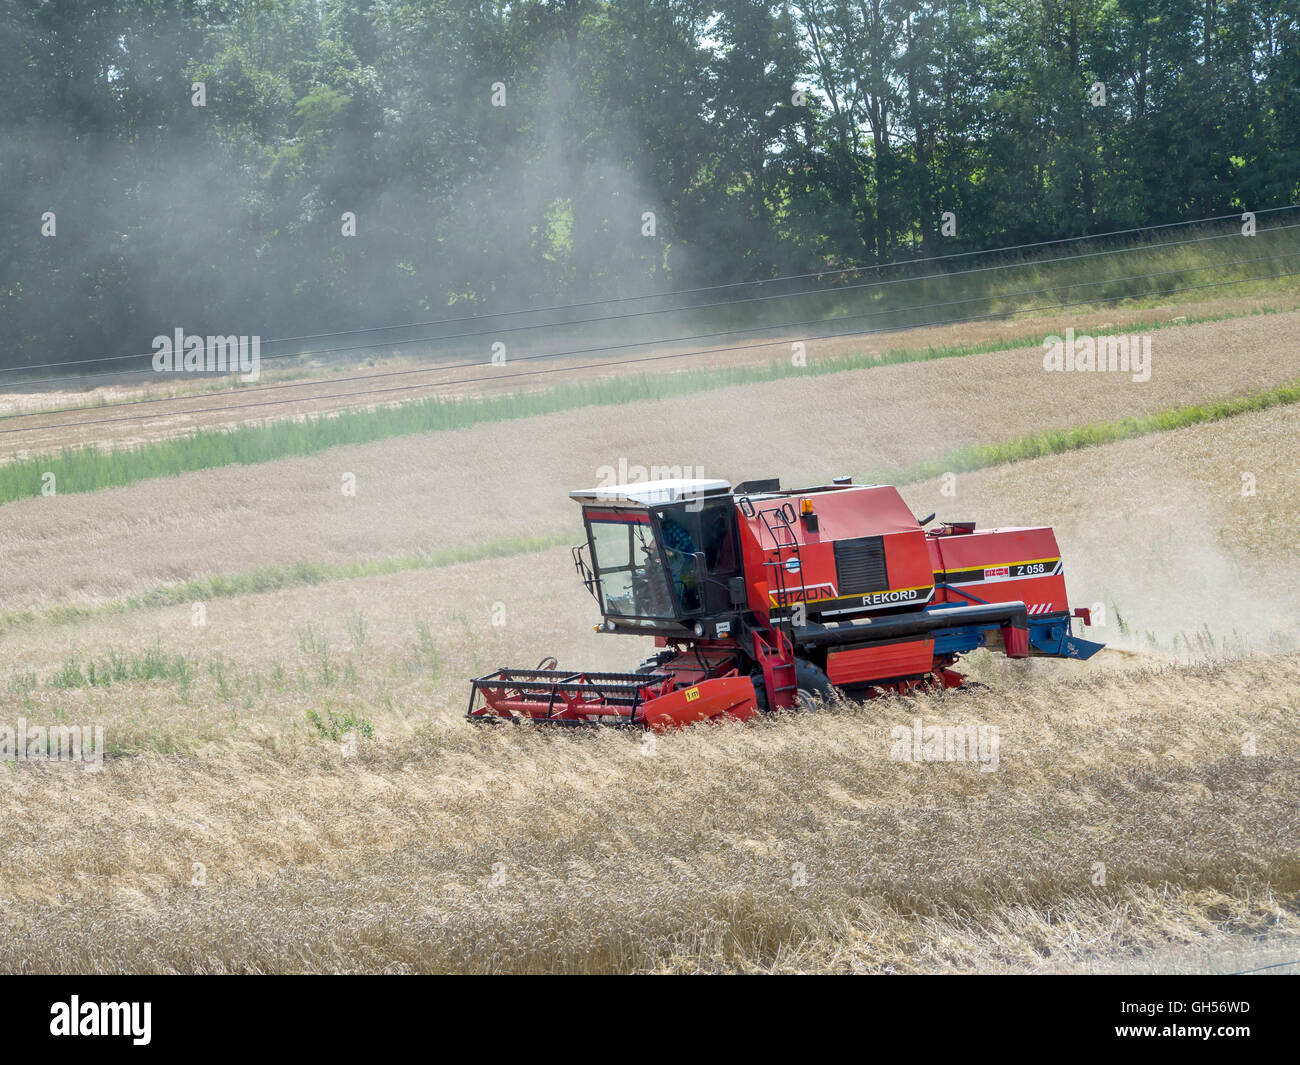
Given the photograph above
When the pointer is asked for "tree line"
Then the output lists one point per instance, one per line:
(286, 167)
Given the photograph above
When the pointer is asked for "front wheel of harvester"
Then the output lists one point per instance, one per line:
(813, 686)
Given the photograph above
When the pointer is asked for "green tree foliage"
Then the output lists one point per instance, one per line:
(762, 138)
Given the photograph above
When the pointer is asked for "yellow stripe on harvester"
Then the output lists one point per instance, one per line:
(837, 598)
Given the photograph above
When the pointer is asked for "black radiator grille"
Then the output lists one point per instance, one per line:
(860, 565)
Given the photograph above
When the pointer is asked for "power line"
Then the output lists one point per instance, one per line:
(608, 363)
(818, 275)
(799, 277)
(644, 343)
(702, 306)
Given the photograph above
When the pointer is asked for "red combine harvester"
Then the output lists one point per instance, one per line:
(761, 599)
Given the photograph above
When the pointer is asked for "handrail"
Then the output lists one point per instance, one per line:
(784, 521)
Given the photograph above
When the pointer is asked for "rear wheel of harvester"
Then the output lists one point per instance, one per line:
(812, 686)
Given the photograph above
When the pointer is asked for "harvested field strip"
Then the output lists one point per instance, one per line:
(298, 574)
(92, 468)
(275, 578)
(1094, 434)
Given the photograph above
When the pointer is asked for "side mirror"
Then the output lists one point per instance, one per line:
(738, 592)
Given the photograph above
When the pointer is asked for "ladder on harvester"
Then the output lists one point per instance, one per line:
(777, 660)
(779, 522)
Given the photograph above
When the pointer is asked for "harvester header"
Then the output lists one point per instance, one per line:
(761, 599)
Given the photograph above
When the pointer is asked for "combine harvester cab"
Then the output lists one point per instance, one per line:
(761, 599)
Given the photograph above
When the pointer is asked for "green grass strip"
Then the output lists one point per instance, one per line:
(88, 469)
(1094, 434)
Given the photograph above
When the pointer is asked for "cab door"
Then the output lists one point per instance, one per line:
(702, 554)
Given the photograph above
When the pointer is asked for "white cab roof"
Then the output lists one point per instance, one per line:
(652, 493)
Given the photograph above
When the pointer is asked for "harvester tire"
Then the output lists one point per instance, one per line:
(813, 686)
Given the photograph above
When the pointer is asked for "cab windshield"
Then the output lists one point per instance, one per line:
(633, 583)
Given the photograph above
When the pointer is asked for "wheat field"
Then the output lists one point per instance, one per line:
(290, 786)
(797, 844)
